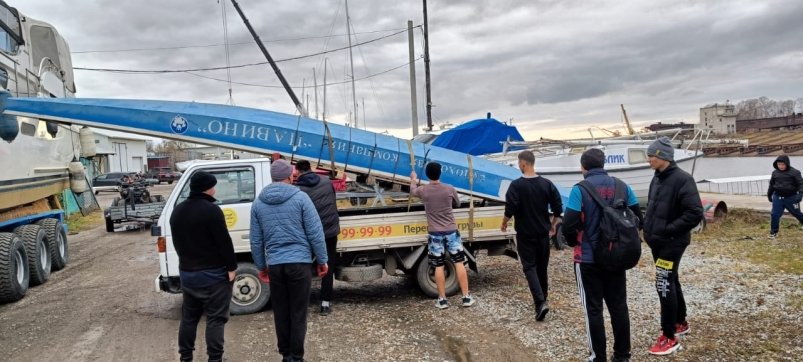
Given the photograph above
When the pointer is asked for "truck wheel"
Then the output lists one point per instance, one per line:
(248, 295)
(33, 236)
(57, 239)
(13, 268)
(425, 275)
(170, 182)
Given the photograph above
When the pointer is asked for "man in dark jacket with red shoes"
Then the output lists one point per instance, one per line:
(206, 264)
(785, 193)
(673, 209)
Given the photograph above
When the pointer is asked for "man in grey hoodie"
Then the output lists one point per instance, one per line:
(285, 233)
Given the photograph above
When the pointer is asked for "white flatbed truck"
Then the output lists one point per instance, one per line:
(392, 240)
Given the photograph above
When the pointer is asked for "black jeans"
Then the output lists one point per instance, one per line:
(596, 285)
(667, 284)
(534, 256)
(329, 279)
(213, 300)
(289, 294)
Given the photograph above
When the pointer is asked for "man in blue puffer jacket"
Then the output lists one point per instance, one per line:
(285, 233)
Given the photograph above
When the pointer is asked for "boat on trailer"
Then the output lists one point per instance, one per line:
(34, 154)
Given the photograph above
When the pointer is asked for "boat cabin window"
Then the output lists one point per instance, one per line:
(636, 156)
(234, 186)
(43, 44)
(10, 34)
(27, 128)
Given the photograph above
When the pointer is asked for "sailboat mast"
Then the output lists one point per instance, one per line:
(426, 69)
(351, 60)
(324, 88)
(299, 106)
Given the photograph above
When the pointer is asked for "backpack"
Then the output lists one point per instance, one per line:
(619, 245)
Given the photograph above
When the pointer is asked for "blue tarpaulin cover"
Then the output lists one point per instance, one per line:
(478, 137)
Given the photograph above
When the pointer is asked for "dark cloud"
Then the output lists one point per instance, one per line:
(551, 65)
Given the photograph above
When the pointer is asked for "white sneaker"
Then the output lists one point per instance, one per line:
(468, 300)
(442, 303)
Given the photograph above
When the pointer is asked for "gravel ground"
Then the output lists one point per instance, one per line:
(103, 307)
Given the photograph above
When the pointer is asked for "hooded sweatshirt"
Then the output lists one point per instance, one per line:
(785, 183)
(322, 193)
(285, 228)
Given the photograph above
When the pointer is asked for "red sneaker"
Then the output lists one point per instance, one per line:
(665, 346)
(681, 329)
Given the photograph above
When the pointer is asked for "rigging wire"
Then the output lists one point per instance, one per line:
(228, 59)
(305, 86)
(179, 47)
(136, 71)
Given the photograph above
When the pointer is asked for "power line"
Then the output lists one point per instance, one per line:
(222, 44)
(135, 71)
(305, 86)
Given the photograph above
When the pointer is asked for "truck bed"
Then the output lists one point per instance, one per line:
(409, 229)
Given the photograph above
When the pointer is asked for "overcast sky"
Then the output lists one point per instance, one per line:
(554, 67)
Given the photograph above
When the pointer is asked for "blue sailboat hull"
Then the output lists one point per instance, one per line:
(262, 131)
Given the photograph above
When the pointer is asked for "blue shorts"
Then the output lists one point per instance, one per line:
(438, 242)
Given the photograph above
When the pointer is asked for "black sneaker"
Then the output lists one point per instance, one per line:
(541, 309)
(773, 235)
(326, 310)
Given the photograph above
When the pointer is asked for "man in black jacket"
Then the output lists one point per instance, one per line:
(207, 266)
(673, 209)
(322, 193)
(785, 192)
(530, 199)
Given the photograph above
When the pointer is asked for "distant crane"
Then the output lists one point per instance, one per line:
(628, 127)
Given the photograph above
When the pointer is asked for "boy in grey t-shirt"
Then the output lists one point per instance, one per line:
(439, 198)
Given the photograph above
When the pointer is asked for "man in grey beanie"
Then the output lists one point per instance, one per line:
(285, 233)
(673, 209)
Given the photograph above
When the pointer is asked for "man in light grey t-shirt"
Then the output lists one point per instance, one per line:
(439, 198)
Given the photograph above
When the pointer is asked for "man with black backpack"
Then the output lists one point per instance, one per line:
(601, 222)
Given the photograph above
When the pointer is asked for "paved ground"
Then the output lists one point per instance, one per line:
(103, 307)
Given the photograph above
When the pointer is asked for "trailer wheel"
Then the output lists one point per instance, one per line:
(57, 239)
(13, 268)
(425, 275)
(109, 224)
(39, 263)
(249, 294)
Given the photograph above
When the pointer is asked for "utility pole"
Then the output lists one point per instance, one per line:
(426, 68)
(351, 60)
(299, 106)
(413, 98)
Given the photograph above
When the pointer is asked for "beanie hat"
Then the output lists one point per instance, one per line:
(433, 171)
(202, 181)
(280, 170)
(592, 158)
(663, 149)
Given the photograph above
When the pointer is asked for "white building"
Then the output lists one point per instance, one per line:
(719, 118)
(120, 152)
